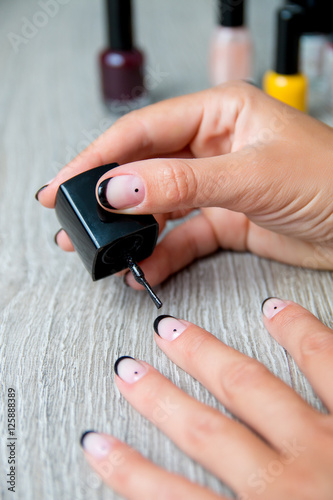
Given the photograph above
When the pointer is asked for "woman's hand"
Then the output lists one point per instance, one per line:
(286, 450)
(261, 171)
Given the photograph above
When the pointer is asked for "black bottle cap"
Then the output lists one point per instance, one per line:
(290, 24)
(318, 15)
(119, 18)
(104, 241)
(231, 13)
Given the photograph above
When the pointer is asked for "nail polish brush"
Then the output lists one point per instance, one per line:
(106, 242)
(140, 278)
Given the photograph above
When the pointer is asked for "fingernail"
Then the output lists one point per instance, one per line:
(168, 327)
(123, 191)
(95, 444)
(56, 236)
(129, 369)
(39, 190)
(102, 194)
(43, 187)
(271, 306)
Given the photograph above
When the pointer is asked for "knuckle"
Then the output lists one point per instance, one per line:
(178, 182)
(193, 347)
(202, 428)
(316, 343)
(167, 491)
(243, 374)
(290, 318)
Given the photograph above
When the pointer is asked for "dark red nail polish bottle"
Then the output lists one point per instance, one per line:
(121, 63)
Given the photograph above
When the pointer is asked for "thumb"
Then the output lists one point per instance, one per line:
(166, 185)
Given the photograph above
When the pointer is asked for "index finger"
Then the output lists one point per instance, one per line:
(164, 127)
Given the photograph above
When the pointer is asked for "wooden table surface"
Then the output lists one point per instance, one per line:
(60, 332)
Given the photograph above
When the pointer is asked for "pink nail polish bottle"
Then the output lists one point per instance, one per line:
(230, 56)
(121, 63)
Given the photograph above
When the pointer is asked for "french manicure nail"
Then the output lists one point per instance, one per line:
(271, 306)
(43, 187)
(102, 194)
(39, 190)
(129, 369)
(123, 191)
(168, 327)
(56, 236)
(95, 444)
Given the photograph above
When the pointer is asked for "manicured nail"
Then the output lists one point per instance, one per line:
(123, 191)
(39, 190)
(102, 194)
(271, 306)
(95, 444)
(129, 369)
(56, 236)
(168, 327)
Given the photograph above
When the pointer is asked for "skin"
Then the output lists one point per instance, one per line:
(286, 450)
(262, 175)
(261, 172)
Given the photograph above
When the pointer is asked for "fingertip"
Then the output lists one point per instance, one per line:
(62, 240)
(83, 437)
(101, 194)
(271, 306)
(157, 320)
(115, 367)
(39, 191)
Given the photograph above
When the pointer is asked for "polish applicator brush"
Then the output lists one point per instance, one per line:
(140, 278)
(106, 242)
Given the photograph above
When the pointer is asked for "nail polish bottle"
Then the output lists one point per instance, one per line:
(230, 56)
(286, 83)
(121, 64)
(106, 242)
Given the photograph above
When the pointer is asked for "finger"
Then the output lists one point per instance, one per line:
(63, 241)
(166, 185)
(216, 228)
(185, 243)
(242, 384)
(164, 127)
(308, 341)
(133, 476)
(223, 446)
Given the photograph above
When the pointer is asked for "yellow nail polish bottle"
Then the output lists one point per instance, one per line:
(286, 83)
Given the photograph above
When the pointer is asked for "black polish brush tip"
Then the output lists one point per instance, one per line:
(140, 278)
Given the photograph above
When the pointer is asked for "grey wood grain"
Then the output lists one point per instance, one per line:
(61, 333)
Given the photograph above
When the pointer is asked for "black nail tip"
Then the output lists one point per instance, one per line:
(39, 190)
(118, 361)
(84, 435)
(263, 303)
(55, 237)
(102, 194)
(158, 319)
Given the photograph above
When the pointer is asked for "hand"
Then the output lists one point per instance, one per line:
(288, 454)
(261, 171)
